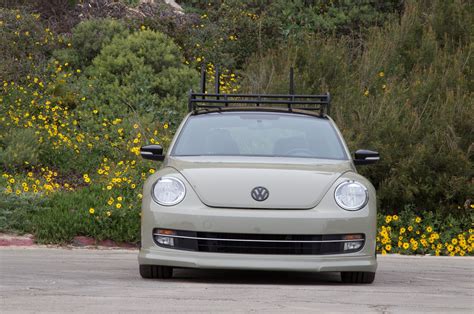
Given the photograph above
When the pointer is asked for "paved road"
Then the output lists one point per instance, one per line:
(102, 281)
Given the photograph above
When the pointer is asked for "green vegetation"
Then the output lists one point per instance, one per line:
(83, 90)
(405, 94)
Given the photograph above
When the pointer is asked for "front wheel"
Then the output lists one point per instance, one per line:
(156, 272)
(357, 277)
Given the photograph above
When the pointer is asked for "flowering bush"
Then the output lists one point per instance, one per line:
(409, 233)
(69, 157)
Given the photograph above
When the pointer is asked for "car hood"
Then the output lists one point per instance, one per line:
(292, 183)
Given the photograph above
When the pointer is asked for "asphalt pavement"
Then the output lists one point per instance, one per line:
(105, 281)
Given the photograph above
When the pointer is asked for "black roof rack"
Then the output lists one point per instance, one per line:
(204, 102)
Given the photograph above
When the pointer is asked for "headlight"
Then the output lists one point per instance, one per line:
(351, 195)
(168, 191)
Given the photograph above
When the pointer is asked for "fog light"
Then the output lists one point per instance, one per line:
(357, 240)
(162, 236)
(165, 240)
(352, 245)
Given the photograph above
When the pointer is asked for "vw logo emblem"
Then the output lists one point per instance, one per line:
(260, 193)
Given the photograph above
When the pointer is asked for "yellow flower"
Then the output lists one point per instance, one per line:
(402, 230)
(165, 126)
(366, 93)
(381, 74)
(417, 220)
(429, 229)
(142, 27)
(388, 247)
(109, 213)
(395, 217)
(454, 241)
(18, 16)
(91, 211)
(406, 245)
(450, 248)
(119, 198)
(410, 228)
(388, 219)
(118, 205)
(135, 126)
(152, 170)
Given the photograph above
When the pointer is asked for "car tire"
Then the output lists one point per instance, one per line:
(357, 277)
(156, 272)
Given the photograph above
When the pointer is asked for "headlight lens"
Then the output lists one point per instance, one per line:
(168, 191)
(351, 195)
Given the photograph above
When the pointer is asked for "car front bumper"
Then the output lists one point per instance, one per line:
(322, 220)
(317, 263)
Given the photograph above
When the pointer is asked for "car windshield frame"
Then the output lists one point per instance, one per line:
(337, 135)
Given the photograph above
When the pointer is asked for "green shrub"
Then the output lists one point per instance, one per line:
(229, 32)
(88, 38)
(19, 146)
(17, 212)
(141, 73)
(70, 214)
(403, 94)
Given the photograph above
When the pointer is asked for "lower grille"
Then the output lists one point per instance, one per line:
(243, 243)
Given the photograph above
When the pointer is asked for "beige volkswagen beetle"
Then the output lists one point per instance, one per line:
(262, 182)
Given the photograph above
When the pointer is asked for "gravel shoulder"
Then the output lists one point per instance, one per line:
(38, 279)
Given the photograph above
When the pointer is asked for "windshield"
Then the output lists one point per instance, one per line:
(258, 134)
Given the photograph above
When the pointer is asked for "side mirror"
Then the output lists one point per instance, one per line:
(152, 152)
(365, 157)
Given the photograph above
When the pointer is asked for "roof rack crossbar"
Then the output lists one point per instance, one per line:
(255, 101)
(289, 97)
